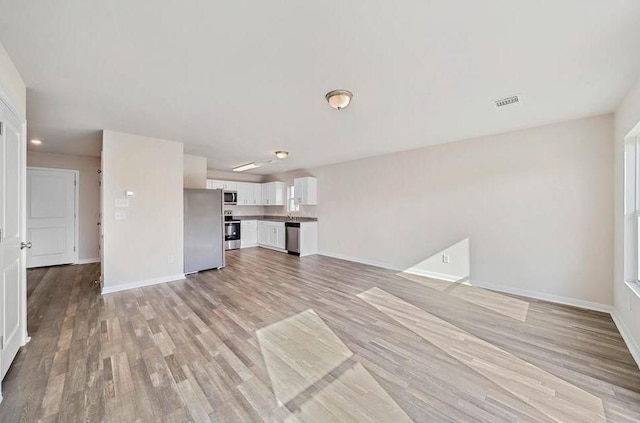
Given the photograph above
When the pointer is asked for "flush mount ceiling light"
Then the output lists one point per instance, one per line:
(282, 154)
(36, 142)
(247, 166)
(339, 99)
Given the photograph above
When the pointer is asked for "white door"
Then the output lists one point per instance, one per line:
(13, 291)
(51, 209)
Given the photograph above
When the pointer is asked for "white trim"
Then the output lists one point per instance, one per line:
(272, 248)
(434, 275)
(552, 298)
(139, 284)
(358, 260)
(634, 287)
(88, 261)
(76, 205)
(634, 349)
(4, 97)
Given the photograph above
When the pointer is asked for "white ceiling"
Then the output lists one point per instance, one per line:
(237, 80)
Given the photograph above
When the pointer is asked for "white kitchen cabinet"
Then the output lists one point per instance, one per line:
(249, 194)
(263, 234)
(225, 185)
(257, 194)
(214, 184)
(271, 235)
(273, 194)
(281, 237)
(306, 191)
(245, 194)
(248, 233)
(308, 238)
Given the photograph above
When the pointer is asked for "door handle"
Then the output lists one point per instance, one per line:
(24, 245)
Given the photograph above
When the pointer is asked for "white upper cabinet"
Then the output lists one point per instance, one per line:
(273, 194)
(249, 194)
(253, 194)
(245, 194)
(213, 184)
(257, 194)
(306, 191)
(225, 185)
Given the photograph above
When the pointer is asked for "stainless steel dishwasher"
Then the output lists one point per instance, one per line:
(292, 241)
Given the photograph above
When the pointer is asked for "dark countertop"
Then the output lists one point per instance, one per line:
(277, 218)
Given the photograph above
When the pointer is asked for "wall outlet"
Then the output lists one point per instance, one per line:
(120, 215)
(169, 259)
(445, 258)
(122, 202)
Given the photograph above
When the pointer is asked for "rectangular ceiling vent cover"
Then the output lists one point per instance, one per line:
(506, 101)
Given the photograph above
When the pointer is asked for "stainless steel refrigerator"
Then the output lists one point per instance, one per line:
(203, 230)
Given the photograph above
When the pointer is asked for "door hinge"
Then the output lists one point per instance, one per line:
(1, 127)
(74, 249)
(1, 342)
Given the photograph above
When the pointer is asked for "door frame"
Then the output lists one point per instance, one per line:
(76, 205)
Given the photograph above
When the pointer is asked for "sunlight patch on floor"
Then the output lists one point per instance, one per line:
(503, 304)
(314, 376)
(556, 398)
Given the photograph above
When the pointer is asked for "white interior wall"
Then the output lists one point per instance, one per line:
(533, 204)
(12, 85)
(233, 176)
(89, 192)
(144, 244)
(195, 171)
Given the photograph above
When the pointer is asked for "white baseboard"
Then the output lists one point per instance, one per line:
(552, 298)
(88, 261)
(139, 284)
(433, 275)
(358, 260)
(626, 336)
(272, 248)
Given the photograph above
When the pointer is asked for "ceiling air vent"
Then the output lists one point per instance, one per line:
(506, 101)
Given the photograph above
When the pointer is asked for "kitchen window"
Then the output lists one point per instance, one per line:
(291, 200)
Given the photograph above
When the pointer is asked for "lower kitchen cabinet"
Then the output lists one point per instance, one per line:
(271, 234)
(248, 233)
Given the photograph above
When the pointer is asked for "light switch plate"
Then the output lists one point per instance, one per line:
(121, 202)
(121, 215)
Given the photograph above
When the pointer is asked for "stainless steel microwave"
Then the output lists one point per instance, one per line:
(230, 198)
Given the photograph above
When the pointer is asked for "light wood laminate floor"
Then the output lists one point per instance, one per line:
(276, 338)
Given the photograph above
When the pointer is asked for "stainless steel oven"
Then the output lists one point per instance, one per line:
(230, 198)
(231, 234)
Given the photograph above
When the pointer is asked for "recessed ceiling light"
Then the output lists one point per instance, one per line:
(282, 154)
(36, 142)
(339, 99)
(247, 166)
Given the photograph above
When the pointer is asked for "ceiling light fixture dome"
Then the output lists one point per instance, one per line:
(339, 99)
(282, 154)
